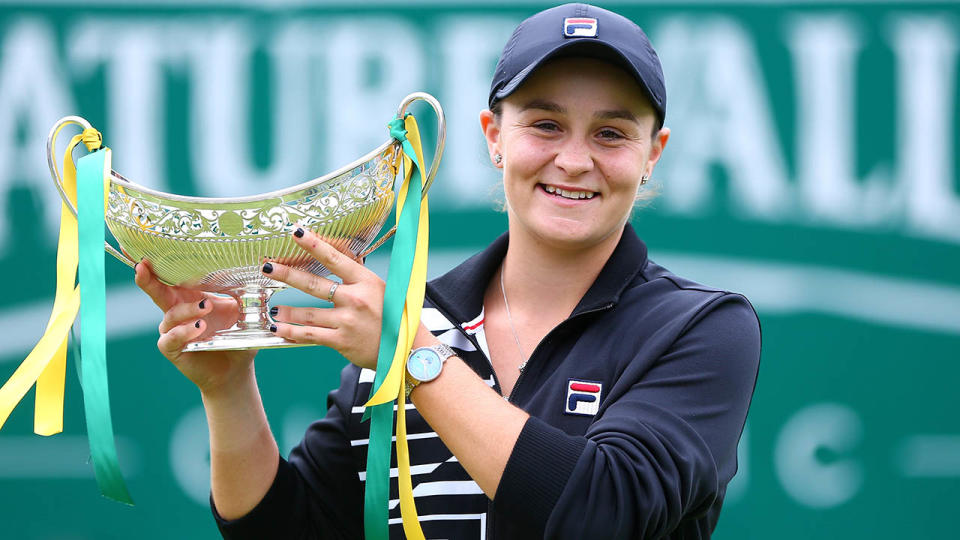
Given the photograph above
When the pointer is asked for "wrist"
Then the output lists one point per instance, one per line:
(237, 387)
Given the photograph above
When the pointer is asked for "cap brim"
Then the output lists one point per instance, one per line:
(580, 48)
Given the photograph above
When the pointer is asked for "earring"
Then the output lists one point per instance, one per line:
(643, 180)
(497, 158)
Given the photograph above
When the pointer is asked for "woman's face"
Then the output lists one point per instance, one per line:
(576, 139)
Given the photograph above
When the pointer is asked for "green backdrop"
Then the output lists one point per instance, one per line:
(811, 167)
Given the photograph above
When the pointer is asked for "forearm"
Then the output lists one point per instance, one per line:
(243, 452)
(475, 422)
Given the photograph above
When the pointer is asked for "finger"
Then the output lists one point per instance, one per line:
(340, 264)
(184, 312)
(307, 334)
(172, 342)
(163, 295)
(157, 291)
(325, 317)
(307, 282)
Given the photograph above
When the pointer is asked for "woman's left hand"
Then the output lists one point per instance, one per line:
(352, 325)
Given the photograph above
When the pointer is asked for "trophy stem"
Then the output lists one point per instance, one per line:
(253, 308)
(252, 330)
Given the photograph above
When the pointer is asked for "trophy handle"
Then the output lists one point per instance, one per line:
(441, 132)
(58, 179)
(437, 153)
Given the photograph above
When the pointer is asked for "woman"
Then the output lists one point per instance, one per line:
(626, 386)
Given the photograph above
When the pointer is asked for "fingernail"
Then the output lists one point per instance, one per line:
(298, 233)
(267, 268)
(135, 265)
(274, 310)
(273, 328)
(196, 324)
(203, 303)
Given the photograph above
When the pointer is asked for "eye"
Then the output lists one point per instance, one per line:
(546, 126)
(609, 134)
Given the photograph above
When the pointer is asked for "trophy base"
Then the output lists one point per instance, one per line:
(239, 341)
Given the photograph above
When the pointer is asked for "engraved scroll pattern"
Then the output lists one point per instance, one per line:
(314, 205)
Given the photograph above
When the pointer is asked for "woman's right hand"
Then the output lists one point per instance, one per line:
(190, 315)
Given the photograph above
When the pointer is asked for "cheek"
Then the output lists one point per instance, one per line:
(527, 154)
(623, 175)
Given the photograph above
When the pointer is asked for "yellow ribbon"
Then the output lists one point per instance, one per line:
(46, 363)
(410, 323)
(393, 387)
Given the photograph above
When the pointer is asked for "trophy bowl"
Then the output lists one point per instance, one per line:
(218, 245)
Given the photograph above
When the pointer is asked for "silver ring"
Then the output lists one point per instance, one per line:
(333, 289)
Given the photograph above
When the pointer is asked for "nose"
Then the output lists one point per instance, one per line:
(574, 158)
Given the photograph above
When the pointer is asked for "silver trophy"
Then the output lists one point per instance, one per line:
(219, 244)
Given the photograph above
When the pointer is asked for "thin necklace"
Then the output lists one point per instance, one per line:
(510, 321)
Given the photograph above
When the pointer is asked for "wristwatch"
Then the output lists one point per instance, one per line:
(424, 365)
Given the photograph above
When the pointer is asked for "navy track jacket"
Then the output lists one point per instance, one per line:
(637, 402)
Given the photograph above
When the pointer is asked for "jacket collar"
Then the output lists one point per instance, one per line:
(460, 291)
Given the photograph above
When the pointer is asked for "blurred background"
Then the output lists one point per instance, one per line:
(812, 167)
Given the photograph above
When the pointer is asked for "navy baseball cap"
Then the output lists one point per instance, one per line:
(579, 30)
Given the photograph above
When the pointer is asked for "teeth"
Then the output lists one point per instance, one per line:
(569, 194)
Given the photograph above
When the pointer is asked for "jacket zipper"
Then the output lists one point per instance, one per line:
(526, 365)
(565, 322)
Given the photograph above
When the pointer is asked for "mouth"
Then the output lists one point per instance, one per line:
(570, 194)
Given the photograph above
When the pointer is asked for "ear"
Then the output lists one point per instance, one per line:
(656, 149)
(491, 132)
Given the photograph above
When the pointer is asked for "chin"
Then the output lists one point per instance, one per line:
(569, 236)
(565, 232)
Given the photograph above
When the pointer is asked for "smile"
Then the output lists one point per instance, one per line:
(568, 194)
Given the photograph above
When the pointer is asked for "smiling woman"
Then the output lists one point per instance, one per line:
(565, 385)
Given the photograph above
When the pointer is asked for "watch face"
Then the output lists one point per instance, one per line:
(424, 365)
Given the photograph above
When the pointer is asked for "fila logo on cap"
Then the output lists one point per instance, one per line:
(583, 397)
(579, 27)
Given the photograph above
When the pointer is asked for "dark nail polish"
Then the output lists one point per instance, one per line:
(273, 328)
(298, 233)
(274, 310)
(135, 265)
(203, 303)
(196, 324)
(267, 268)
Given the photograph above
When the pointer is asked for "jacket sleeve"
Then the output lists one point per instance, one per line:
(662, 452)
(316, 492)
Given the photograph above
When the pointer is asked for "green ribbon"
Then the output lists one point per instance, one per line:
(93, 313)
(377, 490)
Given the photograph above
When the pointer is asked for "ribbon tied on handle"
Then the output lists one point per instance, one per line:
(402, 303)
